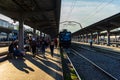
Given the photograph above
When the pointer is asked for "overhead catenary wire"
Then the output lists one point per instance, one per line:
(71, 9)
(68, 11)
(92, 15)
(64, 3)
(97, 7)
(62, 7)
(73, 6)
(72, 3)
(105, 6)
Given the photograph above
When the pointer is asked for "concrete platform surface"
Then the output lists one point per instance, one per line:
(32, 68)
(3, 50)
(104, 47)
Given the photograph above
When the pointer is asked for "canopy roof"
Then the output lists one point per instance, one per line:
(43, 15)
(106, 24)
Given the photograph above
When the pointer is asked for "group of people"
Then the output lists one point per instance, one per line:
(40, 44)
(35, 46)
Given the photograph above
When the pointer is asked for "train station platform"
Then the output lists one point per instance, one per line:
(32, 68)
(3, 52)
(102, 47)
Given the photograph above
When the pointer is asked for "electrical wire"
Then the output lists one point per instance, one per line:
(96, 8)
(62, 6)
(71, 9)
(91, 16)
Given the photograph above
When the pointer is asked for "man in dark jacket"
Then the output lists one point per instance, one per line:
(11, 50)
(33, 45)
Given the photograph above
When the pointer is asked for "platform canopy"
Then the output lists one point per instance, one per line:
(43, 15)
(109, 23)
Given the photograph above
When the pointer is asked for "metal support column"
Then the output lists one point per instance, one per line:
(108, 37)
(8, 36)
(83, 38)
(44, 35)
(78, 38)
(34, 33)
(86, 38)
(98, 40)
(40, 34)
(91, 36)
(21, 34)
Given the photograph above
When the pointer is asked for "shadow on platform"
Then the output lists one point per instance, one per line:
(46, 65)
(49, 65)
(21, 65)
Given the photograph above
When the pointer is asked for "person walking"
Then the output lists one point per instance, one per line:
(43, 46)
(30, 43)
(11, 50)
(55, 42)
(52, 47)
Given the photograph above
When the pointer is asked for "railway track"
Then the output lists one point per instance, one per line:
(89, 69)
(113, 55)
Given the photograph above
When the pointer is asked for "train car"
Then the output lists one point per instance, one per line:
(65, 39)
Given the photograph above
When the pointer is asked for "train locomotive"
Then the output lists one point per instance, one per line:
(65, 39)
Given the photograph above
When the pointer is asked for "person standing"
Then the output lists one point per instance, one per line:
(30, 43)
(43, 46)
(52, 47)
(33, 46)
(91, 42)
(55, 42)
(11, 50)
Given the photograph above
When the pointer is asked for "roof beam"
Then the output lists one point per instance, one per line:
(115, 23)
(26, 13)
(8, 12)
(29, 14)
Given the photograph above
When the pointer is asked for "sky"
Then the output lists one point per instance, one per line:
(85, 12)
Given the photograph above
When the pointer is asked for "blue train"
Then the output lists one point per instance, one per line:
(65, 39)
